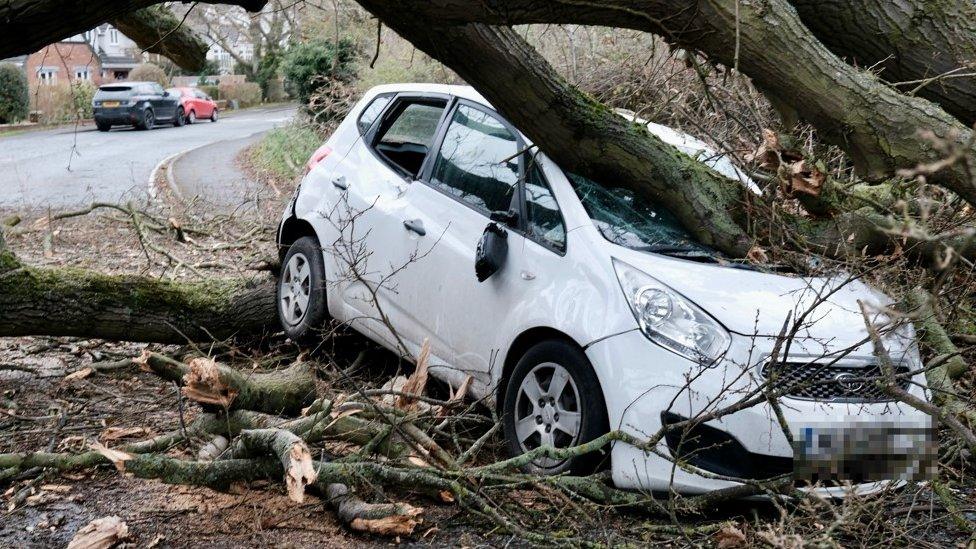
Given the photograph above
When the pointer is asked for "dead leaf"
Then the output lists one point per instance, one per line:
(300, 471)
(446, 496)
(117, 457)
(417, 382)
(115, 433)
(100, 534)
(203, 384)
(79, 374)
(401, 524)
(757, 254)
(728, 537)
(806, 179)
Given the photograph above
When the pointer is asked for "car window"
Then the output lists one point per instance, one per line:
(543, 220)
(175, 92)
(406, 139)
(477, 161)
(372, 112)
(630, 220)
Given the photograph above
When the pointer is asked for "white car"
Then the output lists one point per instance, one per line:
(597, 310)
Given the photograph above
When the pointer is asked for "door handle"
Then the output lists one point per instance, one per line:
(339, 182)
(416, 226)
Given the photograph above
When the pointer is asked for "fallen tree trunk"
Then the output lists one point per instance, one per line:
(81, 303)
(29, 25)
(876, 125)
(930, 45)
(157, 30)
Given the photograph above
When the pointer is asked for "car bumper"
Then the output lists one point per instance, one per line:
(118, 115)
(641, 380)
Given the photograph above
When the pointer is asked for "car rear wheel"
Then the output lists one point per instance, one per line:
(192, 117)
(180, 117)
(213, 116)
(301, 290)
(103, 127)
(148, 121)
(554, 398)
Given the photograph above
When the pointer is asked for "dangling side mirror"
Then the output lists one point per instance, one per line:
(492, 252)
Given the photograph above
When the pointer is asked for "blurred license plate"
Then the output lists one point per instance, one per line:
(878, 451)
(110, 104)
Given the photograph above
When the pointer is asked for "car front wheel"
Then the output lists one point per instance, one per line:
(554, 398)
(301, 290)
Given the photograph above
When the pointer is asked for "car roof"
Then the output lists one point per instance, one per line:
(465, 92)
(125, 83)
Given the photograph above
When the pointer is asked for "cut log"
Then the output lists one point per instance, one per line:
(81, 303)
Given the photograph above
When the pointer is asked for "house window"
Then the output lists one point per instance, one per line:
(47, 75)
(82, 73)
(113, 36)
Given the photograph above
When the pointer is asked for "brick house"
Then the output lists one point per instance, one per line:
(100, 55)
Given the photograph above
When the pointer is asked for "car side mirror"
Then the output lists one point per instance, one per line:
(492, 252)
(509, 217)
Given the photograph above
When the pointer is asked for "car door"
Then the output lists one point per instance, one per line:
(164, 106)
(203, 105)
(474, 171)
(370, 242)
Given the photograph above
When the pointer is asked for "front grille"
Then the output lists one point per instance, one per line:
(832, 382)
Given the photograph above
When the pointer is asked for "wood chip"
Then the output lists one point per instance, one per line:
(417, 382)
(79, 374)
(401, 524)
(117, 457)
(203, 384)
(115, 433)
(100, 534)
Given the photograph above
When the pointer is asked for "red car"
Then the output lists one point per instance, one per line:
(196, 104)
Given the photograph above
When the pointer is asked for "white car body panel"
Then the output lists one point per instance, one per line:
(472, 325)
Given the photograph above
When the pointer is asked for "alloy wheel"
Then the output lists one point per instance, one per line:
(295, 289)
(192, 118)
(150, 120)
(547, 410)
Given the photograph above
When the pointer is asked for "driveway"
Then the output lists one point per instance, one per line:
(64, 168)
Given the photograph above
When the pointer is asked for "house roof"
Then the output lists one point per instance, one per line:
(117, 61)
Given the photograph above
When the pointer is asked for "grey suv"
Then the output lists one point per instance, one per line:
(141, 104)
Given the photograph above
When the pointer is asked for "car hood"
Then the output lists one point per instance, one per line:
(758, 303)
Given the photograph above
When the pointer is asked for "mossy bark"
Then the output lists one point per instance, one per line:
(277, 392)
(157, 30)
(77, 302)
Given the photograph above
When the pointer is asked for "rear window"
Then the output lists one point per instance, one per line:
(115, 88)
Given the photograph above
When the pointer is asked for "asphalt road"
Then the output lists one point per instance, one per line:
(63, 168)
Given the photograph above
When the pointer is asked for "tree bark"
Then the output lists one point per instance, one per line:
(219, 387)
(157, 30)
(29, 25)
(852, 108)
(906, 41)
(76, 302)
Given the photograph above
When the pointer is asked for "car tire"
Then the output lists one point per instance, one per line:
(527, 421)
(213, 116)
(180, 118)
(148, 120)
(300, 294)
(192, 117)
(103, 127)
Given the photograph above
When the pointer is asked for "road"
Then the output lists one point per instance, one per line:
(62, 168)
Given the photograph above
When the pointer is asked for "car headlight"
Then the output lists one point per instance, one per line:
(670, 320)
